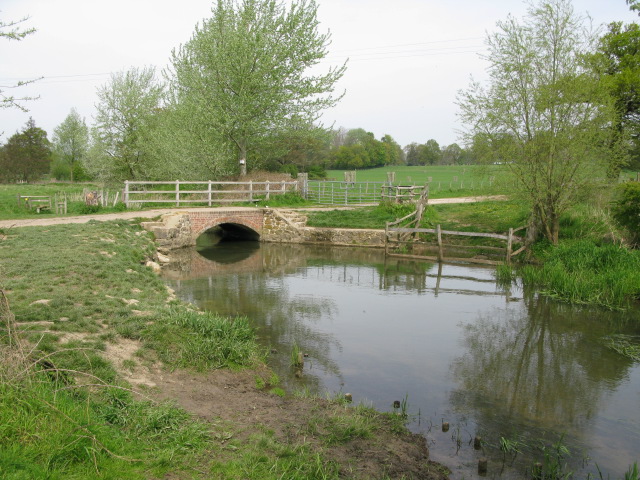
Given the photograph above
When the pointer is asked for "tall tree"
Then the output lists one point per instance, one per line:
(26, 155)
(393, 151)
(618, 57)
(544, 110)
(71, 140)
(451, 154)
(125, 113)
(245, 74)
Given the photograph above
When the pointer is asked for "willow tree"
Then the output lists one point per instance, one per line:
(251, 71)
(544, 112)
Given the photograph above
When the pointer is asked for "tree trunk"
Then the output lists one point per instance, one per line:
(243, 161)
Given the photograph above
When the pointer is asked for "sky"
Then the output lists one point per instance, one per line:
(407, 59)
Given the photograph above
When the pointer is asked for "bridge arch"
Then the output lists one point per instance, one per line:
(230, 225)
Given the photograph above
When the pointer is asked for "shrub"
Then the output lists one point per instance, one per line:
(626, 209)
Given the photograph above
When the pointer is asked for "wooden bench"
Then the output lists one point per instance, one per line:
(35, 202)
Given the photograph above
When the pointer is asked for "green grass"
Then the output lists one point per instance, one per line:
(446, 180)
(580, 271)
(74, 289)
(11, 209)
(491, 216)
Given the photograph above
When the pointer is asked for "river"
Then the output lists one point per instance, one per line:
(446, 341)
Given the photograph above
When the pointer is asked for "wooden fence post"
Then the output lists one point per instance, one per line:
(509, 246)
(209, 193)
(251, 190)
(440, 249)
(126, 193)
(177, 193)
(267, 189)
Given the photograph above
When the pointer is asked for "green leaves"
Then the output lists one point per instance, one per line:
(243, 76)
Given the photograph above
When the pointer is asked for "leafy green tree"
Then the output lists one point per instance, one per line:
(430, 153)
(544, 110)
(125, 118)
(451, 154)
(393, 151)
(11, 31)
(71, 141)
(243, 76)
(619, 58)
(26, 155)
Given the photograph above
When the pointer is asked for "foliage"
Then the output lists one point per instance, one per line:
(26, 156)
(626, 208)
(544, 112)
(625, 345)
(243, 76)
(580, 271)
(121, 137)
(71, 142)
(360, 149)
(618, 57)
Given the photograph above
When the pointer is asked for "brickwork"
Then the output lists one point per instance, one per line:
(181, 229)
(201, 221)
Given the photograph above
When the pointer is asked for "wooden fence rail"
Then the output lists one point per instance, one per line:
(210, 192)
(402, 236)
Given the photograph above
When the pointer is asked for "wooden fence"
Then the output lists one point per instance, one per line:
(204, 193)
(409, 239)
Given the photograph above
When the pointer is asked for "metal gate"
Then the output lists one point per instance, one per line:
(343, 193)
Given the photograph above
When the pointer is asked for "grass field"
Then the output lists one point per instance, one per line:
(444, 180)
(420, 175)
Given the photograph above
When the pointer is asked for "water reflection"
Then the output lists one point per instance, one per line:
(491, 359)
(539, 372)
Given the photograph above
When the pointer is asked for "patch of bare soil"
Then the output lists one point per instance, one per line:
(232, 398)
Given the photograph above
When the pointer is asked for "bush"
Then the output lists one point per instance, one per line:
(626, 209)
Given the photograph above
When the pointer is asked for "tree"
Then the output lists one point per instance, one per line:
(11, 31)
(71, 140)
(243, 75)
(393, 152)
(125, 115)
(618, 57)
(544, 110)
(451, 154)
(430, 153)
(26, 155)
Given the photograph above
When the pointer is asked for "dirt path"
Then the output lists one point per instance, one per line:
(147, 214)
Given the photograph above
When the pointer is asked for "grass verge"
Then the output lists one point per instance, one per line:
(78, 291)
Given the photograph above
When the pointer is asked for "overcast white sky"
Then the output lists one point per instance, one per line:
(408, 58)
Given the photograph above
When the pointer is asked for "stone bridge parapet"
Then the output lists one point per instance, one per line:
(181, 228)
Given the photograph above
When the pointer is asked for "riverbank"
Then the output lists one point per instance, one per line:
(107, 344)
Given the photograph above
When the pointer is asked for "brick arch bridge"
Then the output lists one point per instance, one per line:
(251, 221)
(181, 228)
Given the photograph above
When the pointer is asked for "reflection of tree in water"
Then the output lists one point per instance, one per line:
(534, 370)
(280, 319)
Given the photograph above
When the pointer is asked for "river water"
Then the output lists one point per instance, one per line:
(447, 341)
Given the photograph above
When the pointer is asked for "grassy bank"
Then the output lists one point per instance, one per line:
(585, 268)
(72, 298)
(490, 216)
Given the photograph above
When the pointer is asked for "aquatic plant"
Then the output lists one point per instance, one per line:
(626, 345)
